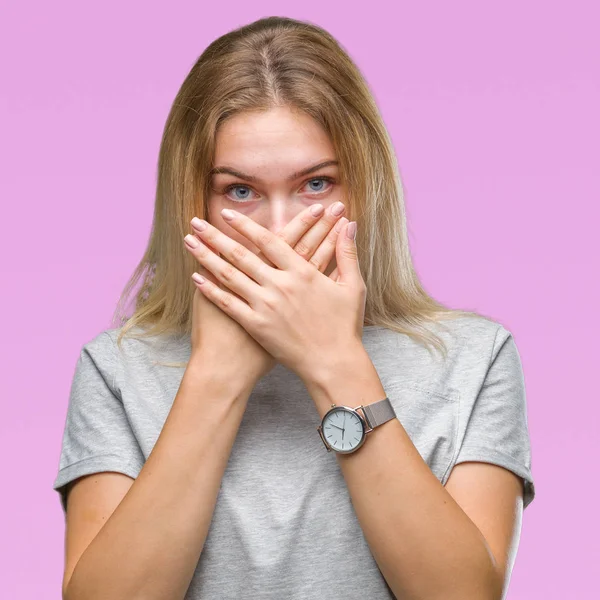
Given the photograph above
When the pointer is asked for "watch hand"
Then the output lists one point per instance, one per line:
(336, 426)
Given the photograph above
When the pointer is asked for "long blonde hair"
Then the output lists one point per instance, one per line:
(278, 61)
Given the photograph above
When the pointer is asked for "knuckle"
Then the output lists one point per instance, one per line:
(302, 249)
(306, 273)
(228, 273)
(306, 221)
(282, 234)
(209, 239)
(330, 243)
(266, 238)
(239, 252)
(270, 301)
(332, 237)
(260, 324)
(262, 267)
(224, 300)
(315, 262)
(351, 252)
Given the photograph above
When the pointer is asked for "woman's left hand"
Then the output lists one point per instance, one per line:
(306, 320)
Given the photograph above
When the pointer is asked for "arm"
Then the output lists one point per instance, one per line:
(147, 549)
(425, 545)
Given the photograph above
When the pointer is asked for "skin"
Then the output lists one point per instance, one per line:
(402, 517)
(457, 541)
(102, 519)
(271, 146)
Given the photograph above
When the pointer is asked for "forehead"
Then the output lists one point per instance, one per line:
(278, 137)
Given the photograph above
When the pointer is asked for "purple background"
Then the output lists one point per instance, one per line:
(493, 110)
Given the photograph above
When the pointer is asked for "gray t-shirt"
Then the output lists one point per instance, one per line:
(284, 525)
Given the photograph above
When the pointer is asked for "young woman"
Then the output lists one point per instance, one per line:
(287, 413)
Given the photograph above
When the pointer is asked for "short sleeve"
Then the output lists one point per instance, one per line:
(497, 430)
(97, 436)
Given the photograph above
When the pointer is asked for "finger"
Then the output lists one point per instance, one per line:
(304, 221)
(237, 254)
(316, 235)
(237, 309)
(294, 230)
(346, 255)
(297, 227)
(208, 275)
(326, 251)
(273, 246)
(226, 273)
(205, 272)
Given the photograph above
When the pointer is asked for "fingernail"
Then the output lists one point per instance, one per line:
(337, 209)
(351, 230)
(316, 210)
(227, 214)
(340, 224)
(198, 278)
(191, 241)
(198, 224)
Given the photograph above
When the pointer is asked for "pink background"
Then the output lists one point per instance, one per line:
(493, 110)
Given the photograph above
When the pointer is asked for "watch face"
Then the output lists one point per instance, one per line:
(343, 430)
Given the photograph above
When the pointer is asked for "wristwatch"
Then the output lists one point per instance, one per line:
(344, 429)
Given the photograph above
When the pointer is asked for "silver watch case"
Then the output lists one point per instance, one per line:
(366, 427)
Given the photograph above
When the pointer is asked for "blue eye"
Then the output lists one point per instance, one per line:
(246, 197)
(231, 187)
(318, 181)
(323, 179)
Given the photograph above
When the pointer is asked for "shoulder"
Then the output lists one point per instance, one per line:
(138, 351)
(472, 337)
(469, 341)
(465, 328)
(477, 348)
(134, 342)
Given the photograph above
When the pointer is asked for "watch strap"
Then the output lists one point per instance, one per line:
(379, 412)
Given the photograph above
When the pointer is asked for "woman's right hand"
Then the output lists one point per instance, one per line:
(220, 343)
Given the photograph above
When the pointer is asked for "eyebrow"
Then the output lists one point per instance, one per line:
(292, 177)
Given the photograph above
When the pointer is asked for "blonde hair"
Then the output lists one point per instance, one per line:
(278, 61)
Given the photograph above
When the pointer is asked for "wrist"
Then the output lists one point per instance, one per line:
(349, 379)
(323, 368)
(202, 373)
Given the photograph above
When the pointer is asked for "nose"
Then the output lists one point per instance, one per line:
(280, 213)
